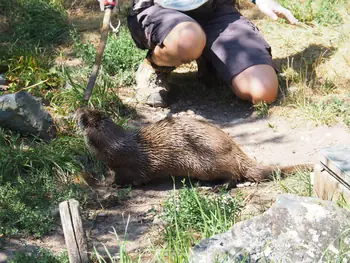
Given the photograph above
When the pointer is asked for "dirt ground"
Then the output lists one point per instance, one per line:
(276, 139)
(272, 140)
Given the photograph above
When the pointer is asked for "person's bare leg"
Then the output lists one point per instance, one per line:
(184, 43)
(256, 84)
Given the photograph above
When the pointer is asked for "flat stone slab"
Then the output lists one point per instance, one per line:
(295, 229)
(337, 159)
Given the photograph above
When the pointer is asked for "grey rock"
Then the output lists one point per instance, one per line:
(23, 113)
(2, 80)
(295, 229)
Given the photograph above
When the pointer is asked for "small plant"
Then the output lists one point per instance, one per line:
(342, 254)
(328, 87)
(262, 109)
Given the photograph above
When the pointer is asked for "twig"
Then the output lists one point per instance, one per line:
(36, 84)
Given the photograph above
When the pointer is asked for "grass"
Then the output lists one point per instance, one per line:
(261, 109)
(120, 58)
(39, 255)
(104, 95)
(318, 102)
(321, 12)
(188, 216)
(299, 184)
(31, 69)
(41, 22)
(191, 215)
(36, 176)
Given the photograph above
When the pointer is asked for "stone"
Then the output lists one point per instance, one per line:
(2, 79)
(295, 229)
(23, 113)
(332, 173)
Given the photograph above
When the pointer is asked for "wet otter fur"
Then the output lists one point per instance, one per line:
(173, 146)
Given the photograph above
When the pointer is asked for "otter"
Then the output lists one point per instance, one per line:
(176, 146)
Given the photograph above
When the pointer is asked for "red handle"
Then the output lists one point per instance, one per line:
(110, 3)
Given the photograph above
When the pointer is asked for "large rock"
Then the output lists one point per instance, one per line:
(295, 229)
(23, 113)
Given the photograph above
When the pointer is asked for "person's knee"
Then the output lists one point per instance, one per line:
(265, 90)
(189, 41)
(258, 84)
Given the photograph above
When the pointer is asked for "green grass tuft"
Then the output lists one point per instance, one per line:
(39, 255)
(324, 13)
(41, 22)
(191, 215)
(33, 180)
(262, 109)
(120, 58)
(31, 69)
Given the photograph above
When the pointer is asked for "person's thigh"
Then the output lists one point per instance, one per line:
(150, 27)
(234, 44)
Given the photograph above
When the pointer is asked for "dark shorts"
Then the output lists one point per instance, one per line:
(233, 43)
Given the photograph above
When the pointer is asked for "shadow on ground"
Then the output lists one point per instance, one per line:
(214, 100)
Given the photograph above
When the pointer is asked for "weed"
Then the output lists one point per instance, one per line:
(39, 255)
(262, 109)
(327, 87)
(120, 58)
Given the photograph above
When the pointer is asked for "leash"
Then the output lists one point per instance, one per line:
(108, 6)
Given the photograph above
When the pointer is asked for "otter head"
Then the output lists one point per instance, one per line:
(88, 118)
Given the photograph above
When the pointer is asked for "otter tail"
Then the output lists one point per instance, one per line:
(261, 173)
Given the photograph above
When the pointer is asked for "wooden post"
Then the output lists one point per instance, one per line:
(73, 231)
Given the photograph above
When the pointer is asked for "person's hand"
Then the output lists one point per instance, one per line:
(103, 2)
(275, 10)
